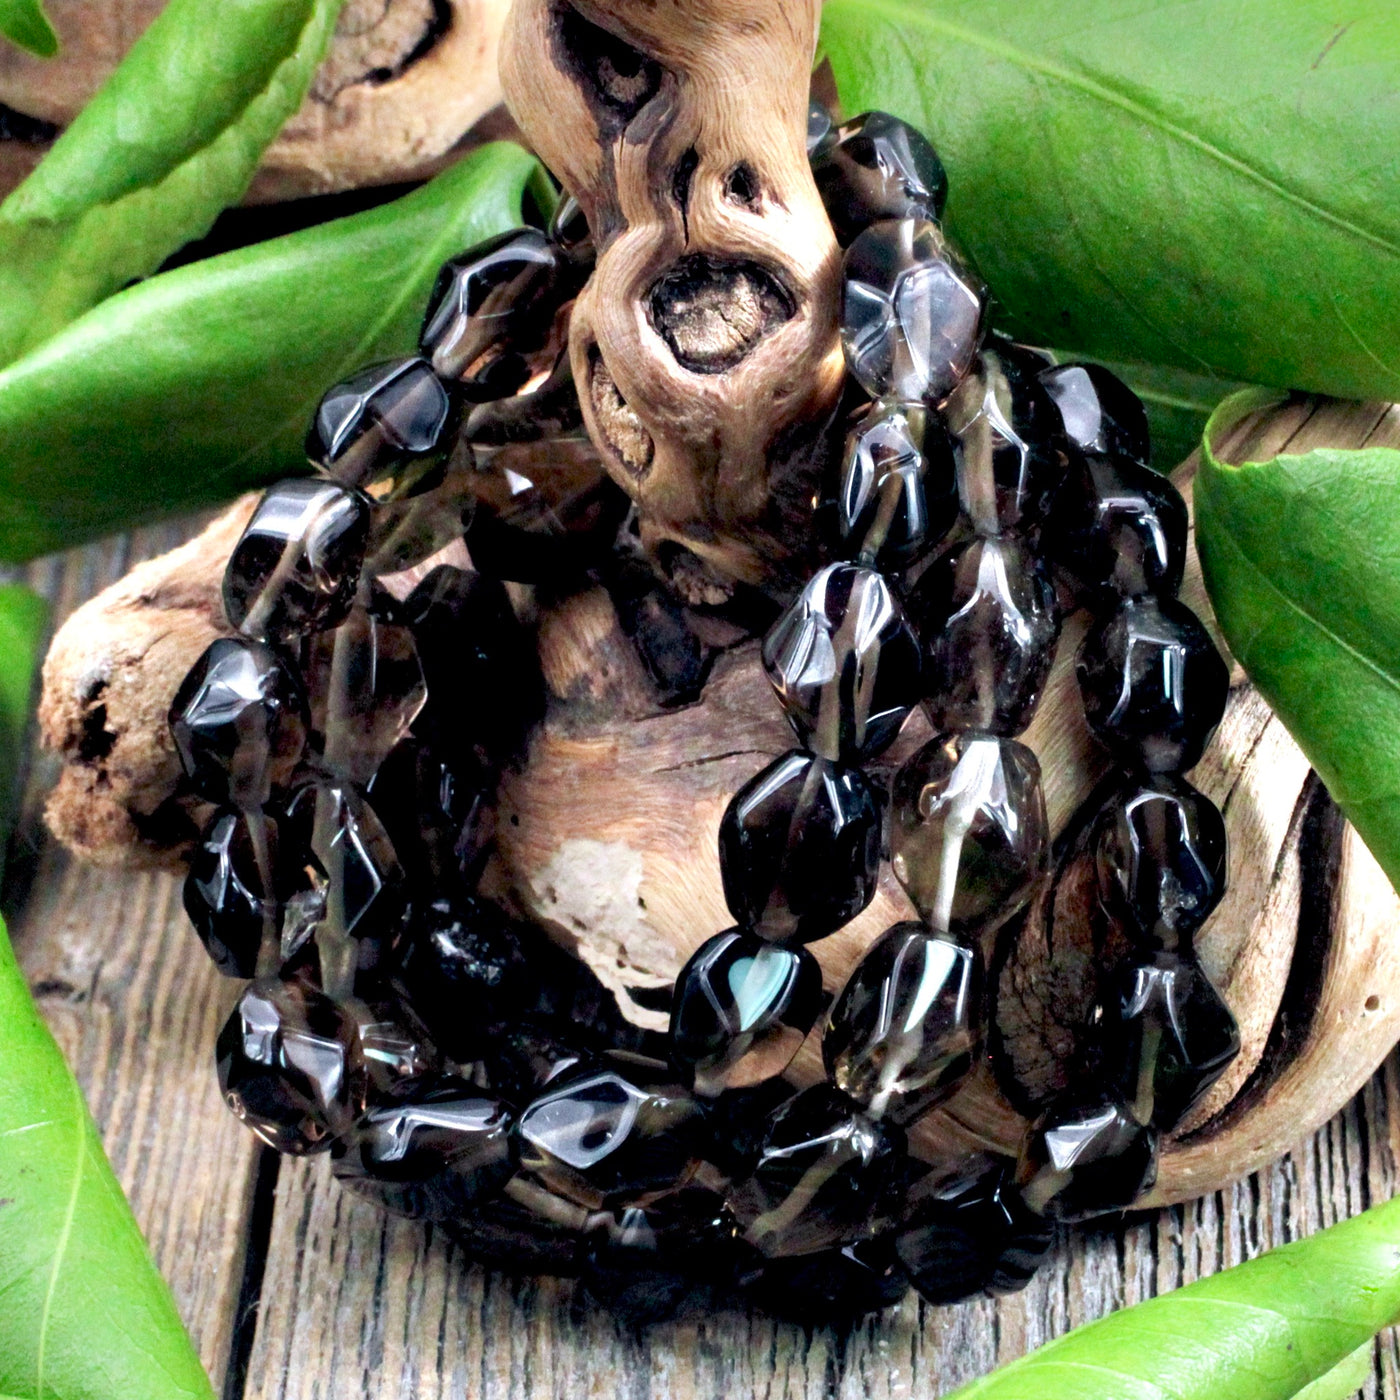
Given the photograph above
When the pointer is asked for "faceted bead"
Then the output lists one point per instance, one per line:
(844, 662)
(898, 494)
(367, 686)
(493, 306)
(1173, 1035)
(821, 129)
(1009, 445)
(438, 814)
(1085, 1156)
(613, 1136)
(969, 836)
(974, 1236)
(834, 1286)
(380, 418)
(656, 625)
(911, 316)
(463, 969)
(1101, 415)
(1153, 684)
(297, 564)
(410, 526)
(877, 168)
(1120, 528)
(483, 675)
(741, 1010)
(988, 618)
(799, 848)
(239, 722)
(287, 1066)
(441, 1150)
(1160, 849)
(569, 231)
(548, 411)
(233, 895)
(522, 1059)
(825, 1176)
(907, 1027)
(392, 1045)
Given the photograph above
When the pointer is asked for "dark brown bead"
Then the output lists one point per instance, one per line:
(1099, 412)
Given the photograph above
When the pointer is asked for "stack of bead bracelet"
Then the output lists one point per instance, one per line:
(458, 1067)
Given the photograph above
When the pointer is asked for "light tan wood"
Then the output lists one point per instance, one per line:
(689, 391)
(403, 84)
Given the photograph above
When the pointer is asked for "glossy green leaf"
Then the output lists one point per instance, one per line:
(1344, 1379)
(200, 383)
(1301, 555)
(1161, 181)
(24, 22)
(23, 618)
(171, 139)
(85, 1316)
(1260, 1331)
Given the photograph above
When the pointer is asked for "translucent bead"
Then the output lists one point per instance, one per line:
(547, 411)
(969, 836)
(974, 1235)
(1085, 1156)
(833, 1286)
(1008, 442)
(1099, 412)
(379, 419)
(368, 688)
(569, 231)
(844, 662)
(911, 315)
(287, 1067)
(613, 1136)
(1120, 528)
(907, 1027)
(1172, 1034)
(239, 722)
(741, 1010)
(494, 306)
(523, 1057)
(296, 566)
(409, 527)
(799, 848)
(821, 128)
(824, 1178)
(439, 1151)
(1160, 850)
(988, 618)
(1153, 684)
(876, 167)
(898, 494)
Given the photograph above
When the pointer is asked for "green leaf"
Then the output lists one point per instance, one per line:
(200, 383)
(1161, 181)
(1260, 1331)
(23, 617)
(1301, 555)
(1344, 1379)
(85, 1316)
(24, 22)
(171, 139)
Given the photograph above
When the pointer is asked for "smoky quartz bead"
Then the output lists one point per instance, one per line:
(799, 848)
(1120, 528)
(297, 564)
(1101, 415)
(1009, 445)
(239, 721)
(1085, 1156)
(972, 1235)
(439, 1150)
(612, 1136)
(844, 662)
(287, 1065)
(907, 1027)
(740, 1011)
(911, 315)
(833, 1286)
(569, 231)
(521, 1058)
(821, 129)
(825, 1176)
(1173, 1035)
(989, 619)
(968, 831)
(1153, 684)
(898, 493)
(876, 167)
(1160, 850)
(493, 306)
(381, 418)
